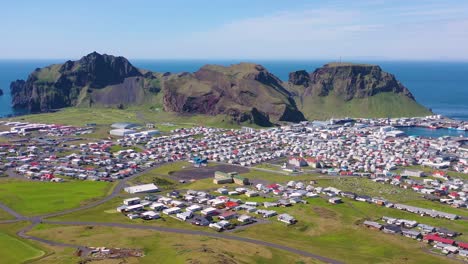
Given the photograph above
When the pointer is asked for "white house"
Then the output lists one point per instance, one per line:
(145, 188)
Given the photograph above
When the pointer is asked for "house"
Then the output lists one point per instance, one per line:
(150, 215)
(373, 225)
(391, 229)
(286, 218)
(267, 213)
(426, 228)
(446, 233)
(228, 215)
(157, 206)
(411, 173)
(145, 188)
(210, 211)
(200, 221)
(171, 211)
(435, 238)
(133, 216)
(134, 208)
(194, 208)
(411, 234)
(350, 195)
(221, 225)
(132, 201)
(462, 245)
(363, 198)
(297, 161)
(245, 219)
(184, 215)
(335, 200)
(463, 253)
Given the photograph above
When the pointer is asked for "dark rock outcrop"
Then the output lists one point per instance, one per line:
(1, 92)
(245, 92)
(79, 82)
(347, 81)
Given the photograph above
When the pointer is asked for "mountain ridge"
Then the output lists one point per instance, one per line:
(246, 92)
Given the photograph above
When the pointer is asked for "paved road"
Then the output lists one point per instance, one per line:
(199, 233)
(11, 211)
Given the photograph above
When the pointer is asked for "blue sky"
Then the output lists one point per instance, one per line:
(240, 29)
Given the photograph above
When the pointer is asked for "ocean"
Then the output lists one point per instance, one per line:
(440, 86)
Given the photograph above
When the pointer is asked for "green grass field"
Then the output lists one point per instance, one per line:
(15, 250)
(380, 105)
(32, 198)
(169, 248)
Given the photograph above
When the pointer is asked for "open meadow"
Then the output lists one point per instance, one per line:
(33, 198)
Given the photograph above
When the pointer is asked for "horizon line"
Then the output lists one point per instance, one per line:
(259, 59)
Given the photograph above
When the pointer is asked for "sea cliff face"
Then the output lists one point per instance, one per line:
(347, 81)
(245, 92)
(353, 89)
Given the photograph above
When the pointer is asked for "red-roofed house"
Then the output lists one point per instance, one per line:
(230, 204)
(434, 238)
(463, 245)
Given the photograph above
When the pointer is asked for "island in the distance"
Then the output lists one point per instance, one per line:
(245, 92)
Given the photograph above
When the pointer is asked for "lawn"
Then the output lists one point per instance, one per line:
(13, 249)
(32, 198)
(169, 248)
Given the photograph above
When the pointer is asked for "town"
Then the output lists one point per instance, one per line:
(373, 150)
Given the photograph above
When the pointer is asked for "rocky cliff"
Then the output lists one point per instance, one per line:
(94, 79)
(245, 92)
(351, 90)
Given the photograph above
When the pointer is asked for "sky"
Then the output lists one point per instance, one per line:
(240, 29)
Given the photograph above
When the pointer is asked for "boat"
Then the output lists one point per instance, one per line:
(461, 128)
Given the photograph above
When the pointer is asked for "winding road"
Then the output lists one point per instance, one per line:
(35, 220)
